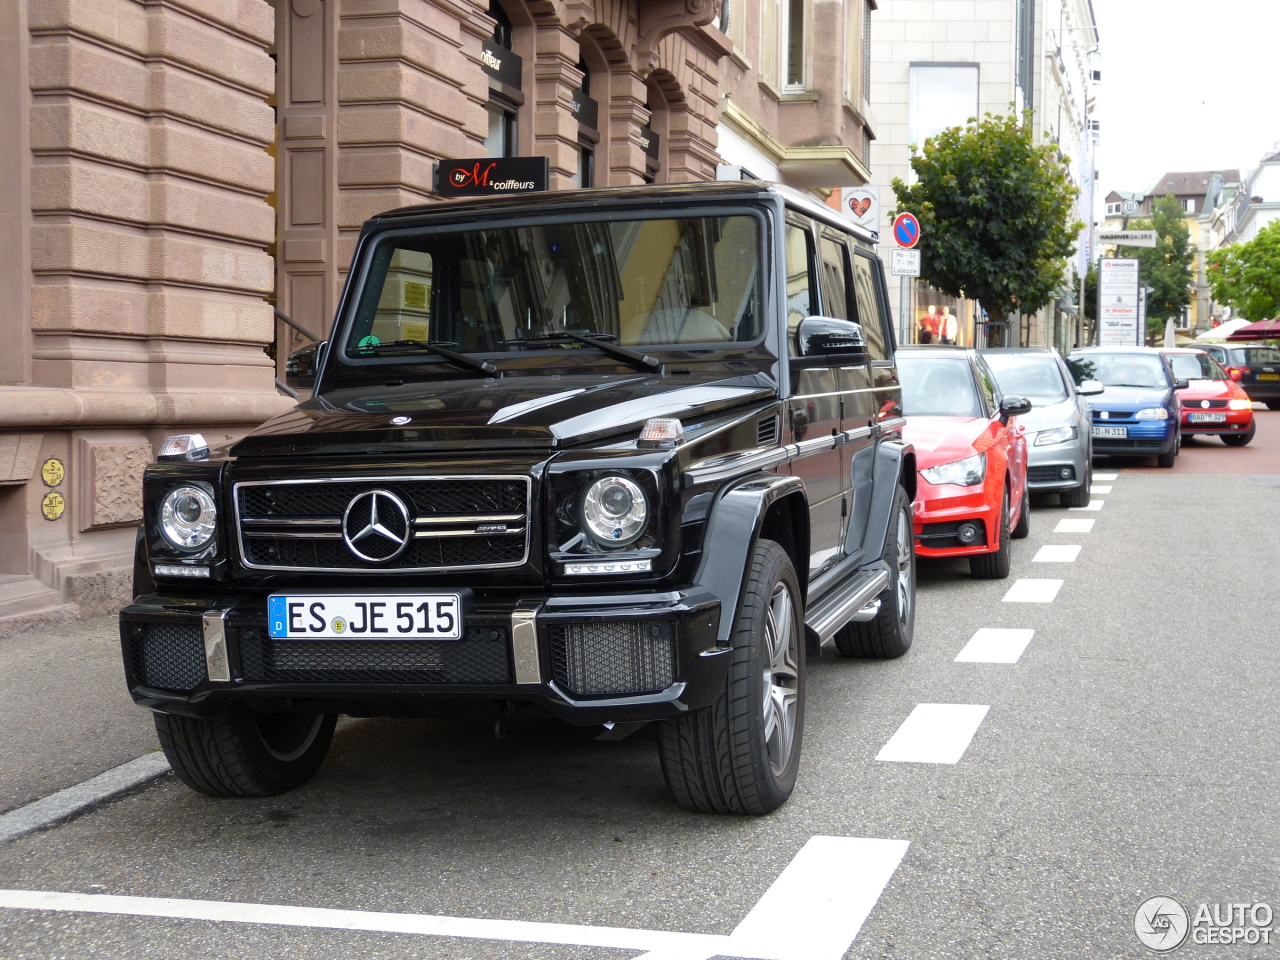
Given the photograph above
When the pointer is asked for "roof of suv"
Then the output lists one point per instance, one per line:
(672, 193)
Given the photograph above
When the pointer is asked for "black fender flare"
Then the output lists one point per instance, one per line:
(895, 465)
(735, 524)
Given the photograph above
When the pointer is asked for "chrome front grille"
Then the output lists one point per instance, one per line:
(452, 523)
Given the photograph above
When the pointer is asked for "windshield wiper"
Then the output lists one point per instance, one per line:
(641, 361)
(434, 347)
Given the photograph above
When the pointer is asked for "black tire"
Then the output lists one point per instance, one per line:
(1240, 439)
(741, 754)
(889, 634)
(1077, 497)
(1023, 527)
(995, 566)
(1272, 404)
(1167, 459)
(241, 753)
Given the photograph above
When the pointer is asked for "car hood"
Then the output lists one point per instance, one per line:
(511, 413)
(944, 439)
(1198, 390)
(1046, 416)
(1113, 397)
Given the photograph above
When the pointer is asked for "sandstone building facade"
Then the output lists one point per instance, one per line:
(180, 173)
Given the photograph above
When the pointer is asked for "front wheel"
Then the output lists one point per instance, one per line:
(1240, 439)
(888, 634)
(1167, 459)
(741, 754)
(995, 566)
(1023, 528)
(239, 752)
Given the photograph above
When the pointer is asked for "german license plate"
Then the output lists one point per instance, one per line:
(1269, 376)
(397, 616)
(1208, 418)
(1120, 432)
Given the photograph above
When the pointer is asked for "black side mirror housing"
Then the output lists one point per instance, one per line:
(300, 367)
(829, 336)
(1012, 406)
(1181, 384)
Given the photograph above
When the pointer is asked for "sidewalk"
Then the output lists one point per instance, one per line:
(65, 715)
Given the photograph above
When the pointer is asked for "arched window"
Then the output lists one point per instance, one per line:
(586, 110)
(653, 136)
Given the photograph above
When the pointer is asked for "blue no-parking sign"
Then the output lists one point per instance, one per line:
(906, 229)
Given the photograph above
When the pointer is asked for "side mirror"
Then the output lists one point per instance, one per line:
(300, 367)
(1012, 406)
(828, 336)
(1090, 388)
(1181, 383)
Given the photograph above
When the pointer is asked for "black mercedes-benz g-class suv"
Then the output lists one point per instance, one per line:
(611, 455)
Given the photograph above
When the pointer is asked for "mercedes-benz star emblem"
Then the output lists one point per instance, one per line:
(375, 526)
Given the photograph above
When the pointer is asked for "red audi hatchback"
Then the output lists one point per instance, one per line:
(1213, 403)
(971, 497)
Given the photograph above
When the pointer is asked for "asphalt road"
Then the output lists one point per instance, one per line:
(1129, 752)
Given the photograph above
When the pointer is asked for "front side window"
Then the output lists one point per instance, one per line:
(634, 282)
(938, 387)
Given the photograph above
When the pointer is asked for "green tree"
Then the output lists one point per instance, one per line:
(1166, 267)
(995, 215)
(1247, 275)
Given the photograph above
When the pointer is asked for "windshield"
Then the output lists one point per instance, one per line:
(938, 387)
(1194, 366)
(1039, 379)
(633, 282)
(1119, 369)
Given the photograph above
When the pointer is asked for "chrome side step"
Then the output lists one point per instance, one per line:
(857, 603)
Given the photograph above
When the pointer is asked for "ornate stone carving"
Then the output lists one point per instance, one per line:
(666, 16)
(112, 471)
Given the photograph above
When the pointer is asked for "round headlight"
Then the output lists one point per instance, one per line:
(188, 517)
(614, 511)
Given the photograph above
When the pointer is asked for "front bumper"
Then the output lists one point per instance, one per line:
(1046, 464)
(1238, 421)
(1146, 438)
(588, 658)
(940, 510)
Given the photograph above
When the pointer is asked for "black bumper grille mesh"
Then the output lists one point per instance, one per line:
(480, 657)
(616, 659)
(940, 536)
(426, 498)
(168, 656)
(1050, 473)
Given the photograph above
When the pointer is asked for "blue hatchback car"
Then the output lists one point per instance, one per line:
(1138, 412)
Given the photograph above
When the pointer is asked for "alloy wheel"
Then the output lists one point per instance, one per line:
(781, 679)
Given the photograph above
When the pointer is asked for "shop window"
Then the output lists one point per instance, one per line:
(586, 110)
(505, 70)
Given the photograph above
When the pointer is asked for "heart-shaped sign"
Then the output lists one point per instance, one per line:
(859, 205)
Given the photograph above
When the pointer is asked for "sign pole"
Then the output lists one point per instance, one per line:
(904, 285)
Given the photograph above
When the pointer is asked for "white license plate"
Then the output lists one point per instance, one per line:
(1208, 418)
(395, 616)
(1121, 432)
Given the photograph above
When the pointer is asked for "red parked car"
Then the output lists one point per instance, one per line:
(971, 496)
(1213, 403)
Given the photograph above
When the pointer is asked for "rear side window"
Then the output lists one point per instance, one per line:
(869, 315)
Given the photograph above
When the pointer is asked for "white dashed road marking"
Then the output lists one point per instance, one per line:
(813, 911)
(1033, 591)
(995, 645)
(83, 796)
(1093, 505)
(1100, 488)
(1074, 526)
(1055, 554)
(934, 733)
(1106, 476)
